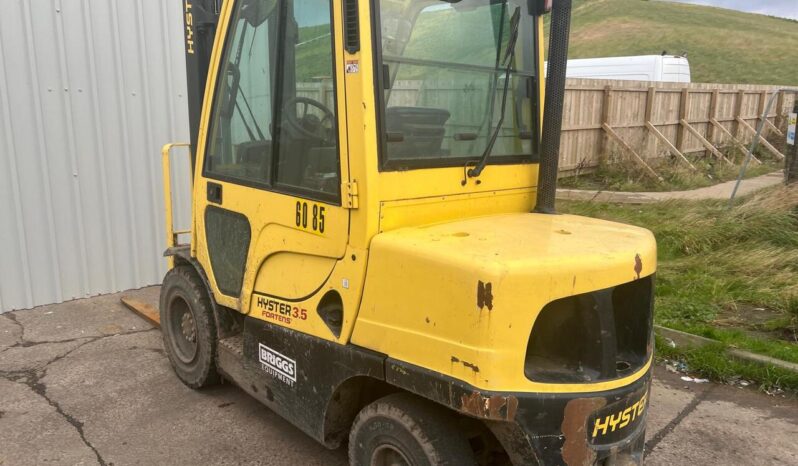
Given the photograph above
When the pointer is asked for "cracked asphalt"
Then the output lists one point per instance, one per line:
(87, 382)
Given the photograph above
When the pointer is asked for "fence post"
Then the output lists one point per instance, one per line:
(683, 107)
(780, 110)
(605, 120)
(324, 91)
(713, 114)
(738, 113)
(652, 92)
(760, 109)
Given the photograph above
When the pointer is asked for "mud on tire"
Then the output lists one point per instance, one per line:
(401, 429)
(188, 327)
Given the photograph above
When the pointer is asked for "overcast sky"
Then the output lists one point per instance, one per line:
(783, 8)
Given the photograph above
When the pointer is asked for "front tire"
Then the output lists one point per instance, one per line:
(403, 430)
(188, 327)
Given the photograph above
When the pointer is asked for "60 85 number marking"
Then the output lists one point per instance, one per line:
(310, 217)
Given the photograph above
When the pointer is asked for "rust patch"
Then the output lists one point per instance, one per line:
(495, 403)
(575, 449)
(496, 407)
(473, 367)
(512, 407)
(484, 295)
(471, 404)
(467, 364)
(638, 265)
(144, 310)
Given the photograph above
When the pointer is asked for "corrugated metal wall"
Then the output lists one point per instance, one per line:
(89, 92)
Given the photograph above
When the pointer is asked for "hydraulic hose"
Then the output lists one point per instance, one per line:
(552, 112)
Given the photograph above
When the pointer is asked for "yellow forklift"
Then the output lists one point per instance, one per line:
(374, 252)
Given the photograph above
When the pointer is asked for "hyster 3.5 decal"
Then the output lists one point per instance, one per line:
(280, 311)
(277, 365)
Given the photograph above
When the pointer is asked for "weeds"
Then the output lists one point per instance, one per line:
(618, 173)
(713, 259)
(713, 362)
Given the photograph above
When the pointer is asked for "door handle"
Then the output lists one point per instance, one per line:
(215, 193)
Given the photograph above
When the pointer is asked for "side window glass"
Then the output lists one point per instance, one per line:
(240, 145)
(307, 143)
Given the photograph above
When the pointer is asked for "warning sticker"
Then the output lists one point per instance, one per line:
(352, 66)
(791, 126)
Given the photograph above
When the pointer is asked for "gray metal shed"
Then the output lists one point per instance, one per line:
(89, 91)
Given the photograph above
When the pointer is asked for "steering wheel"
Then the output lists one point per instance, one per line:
(308, 124)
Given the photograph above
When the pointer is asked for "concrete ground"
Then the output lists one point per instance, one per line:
(87, 382)
(719, 191)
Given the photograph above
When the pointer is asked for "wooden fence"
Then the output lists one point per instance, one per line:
(636, 119)
(648, 120)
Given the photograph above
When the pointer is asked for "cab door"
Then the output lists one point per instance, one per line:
(269, 221)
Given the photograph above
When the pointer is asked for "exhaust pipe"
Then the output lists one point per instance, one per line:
(552, 112)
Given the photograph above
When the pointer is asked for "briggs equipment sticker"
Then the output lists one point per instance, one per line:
(277, 365)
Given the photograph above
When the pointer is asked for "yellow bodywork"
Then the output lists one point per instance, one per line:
(421, 299)
(407, 249)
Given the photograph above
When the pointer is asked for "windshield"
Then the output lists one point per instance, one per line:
(443, 79)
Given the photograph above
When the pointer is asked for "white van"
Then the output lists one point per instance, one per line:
(663, 68)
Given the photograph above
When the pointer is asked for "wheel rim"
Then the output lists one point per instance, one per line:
(388, 455)
(183, 329)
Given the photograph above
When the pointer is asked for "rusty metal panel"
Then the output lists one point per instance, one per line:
(89, 92)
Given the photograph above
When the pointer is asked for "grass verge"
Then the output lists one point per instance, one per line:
(714, 363)
(618, 173)
(715, 261)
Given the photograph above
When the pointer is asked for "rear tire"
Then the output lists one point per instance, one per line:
(403, 430)
(188, 327)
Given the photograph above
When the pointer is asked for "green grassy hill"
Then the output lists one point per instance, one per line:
(723, 46)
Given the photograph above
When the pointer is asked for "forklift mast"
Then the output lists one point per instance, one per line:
(200, 18)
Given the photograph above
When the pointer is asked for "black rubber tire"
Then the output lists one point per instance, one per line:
(182, 289)
(426, 434)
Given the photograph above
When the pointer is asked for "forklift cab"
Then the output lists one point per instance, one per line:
(362, 256)
(304, 113)
(438, 68)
